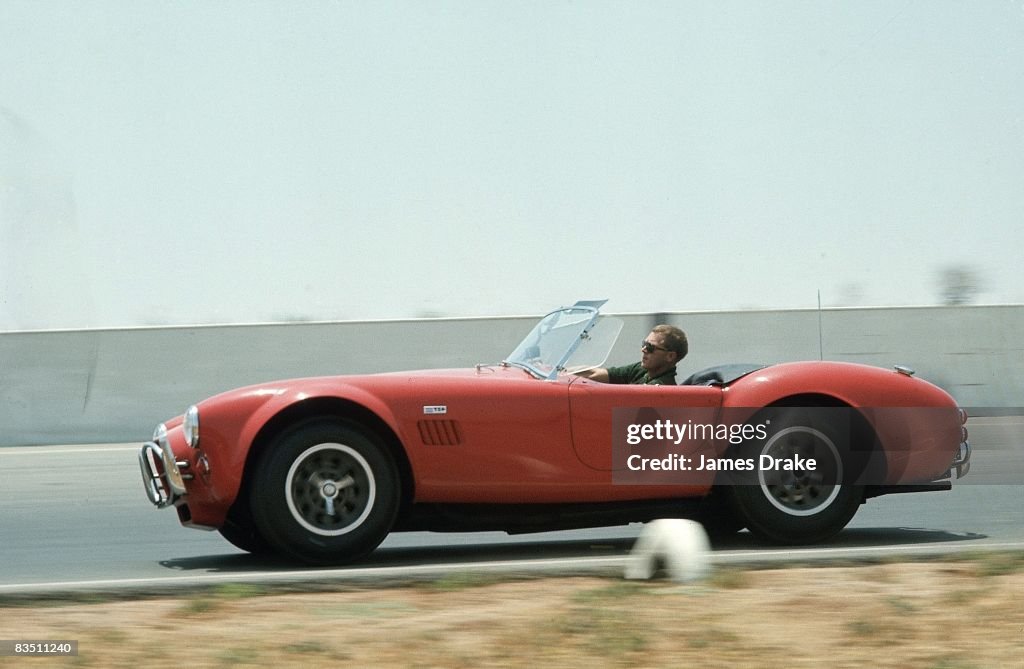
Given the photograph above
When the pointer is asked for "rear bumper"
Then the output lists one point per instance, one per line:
(961, 461)
(959, 467)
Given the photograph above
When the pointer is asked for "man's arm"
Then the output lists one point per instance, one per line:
(599, 374)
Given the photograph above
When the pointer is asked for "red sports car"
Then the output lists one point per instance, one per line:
(322, 469)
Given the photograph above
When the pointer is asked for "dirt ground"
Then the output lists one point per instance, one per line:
(944, 615)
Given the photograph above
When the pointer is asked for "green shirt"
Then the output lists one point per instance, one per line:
(636, 374)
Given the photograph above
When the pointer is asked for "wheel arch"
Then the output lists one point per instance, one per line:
(327, 408)
(864, 437)
(863, 434)
(815, 399)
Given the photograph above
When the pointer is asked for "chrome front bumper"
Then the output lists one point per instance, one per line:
(161, 474)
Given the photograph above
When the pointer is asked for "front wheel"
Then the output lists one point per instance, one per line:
(783, 500)
(244, 535)
(325, 492)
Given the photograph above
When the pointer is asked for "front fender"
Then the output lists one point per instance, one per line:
(230, 424)
(290, 398)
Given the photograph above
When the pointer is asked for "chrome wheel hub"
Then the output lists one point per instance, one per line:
(801, 492)
(330, 489)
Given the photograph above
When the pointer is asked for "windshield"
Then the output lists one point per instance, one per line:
(569, 339)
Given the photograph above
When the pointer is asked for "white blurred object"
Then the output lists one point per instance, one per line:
(679, 546)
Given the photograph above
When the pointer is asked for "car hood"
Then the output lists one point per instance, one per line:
(326, 384)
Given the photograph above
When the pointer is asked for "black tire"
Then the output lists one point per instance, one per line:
(326, 492)
(244, 535)
(718, 515)
(801, 507)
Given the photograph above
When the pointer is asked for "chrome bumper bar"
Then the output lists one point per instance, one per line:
(161, 475)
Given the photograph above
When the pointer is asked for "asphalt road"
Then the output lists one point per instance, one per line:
(76, 517)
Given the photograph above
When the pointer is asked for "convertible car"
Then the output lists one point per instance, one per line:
(322, 469)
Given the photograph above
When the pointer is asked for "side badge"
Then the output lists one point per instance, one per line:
(434, 410)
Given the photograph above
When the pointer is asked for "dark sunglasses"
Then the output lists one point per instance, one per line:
(648, 347)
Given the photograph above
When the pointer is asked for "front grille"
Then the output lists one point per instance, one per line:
(440, 432)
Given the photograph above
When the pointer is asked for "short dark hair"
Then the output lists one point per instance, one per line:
(674, 338)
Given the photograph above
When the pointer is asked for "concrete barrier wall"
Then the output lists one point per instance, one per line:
(113, 385)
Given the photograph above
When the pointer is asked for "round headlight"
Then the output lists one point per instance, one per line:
(190, 427)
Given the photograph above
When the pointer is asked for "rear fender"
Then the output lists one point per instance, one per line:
(913, 421)
(851, 384)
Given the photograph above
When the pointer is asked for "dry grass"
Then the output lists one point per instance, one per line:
(928, 615)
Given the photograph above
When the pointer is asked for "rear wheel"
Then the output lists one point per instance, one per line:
(326, 492)
(783, 502)
(718, 516)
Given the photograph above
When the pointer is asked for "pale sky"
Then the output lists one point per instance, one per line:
(198, 162)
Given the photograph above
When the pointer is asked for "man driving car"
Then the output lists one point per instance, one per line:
(662, 349)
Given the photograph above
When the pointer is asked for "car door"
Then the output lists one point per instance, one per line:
(600, 413)
(496, 435)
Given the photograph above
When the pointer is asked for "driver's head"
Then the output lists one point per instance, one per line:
(665, 346)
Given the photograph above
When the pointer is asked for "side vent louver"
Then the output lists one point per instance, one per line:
(440, 432)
